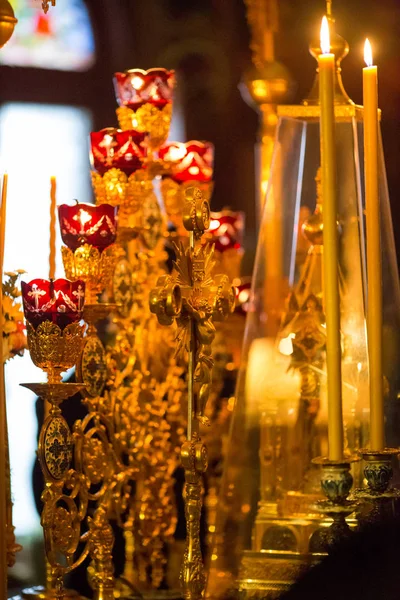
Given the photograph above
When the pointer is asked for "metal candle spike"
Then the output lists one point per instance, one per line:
(192, 298)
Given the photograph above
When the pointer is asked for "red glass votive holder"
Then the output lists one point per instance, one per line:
(53, 311)
(188, 161)
(115, 149)
(60, 301)
(226, 233)
(88, 224)
(137, 87)
(226, 230)
(185, 165)
(243, 294)
(145, 103)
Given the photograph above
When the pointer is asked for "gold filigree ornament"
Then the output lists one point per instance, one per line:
(174, 197)
(194, 299)
(147, 119)
(53, 349)
(122, 287)
(129, 193)
(91, 367)
(55, 447)
(95, 268)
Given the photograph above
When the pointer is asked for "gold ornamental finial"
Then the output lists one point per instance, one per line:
(340, 48)
(268, 81)
(7, 22)
(262, 17)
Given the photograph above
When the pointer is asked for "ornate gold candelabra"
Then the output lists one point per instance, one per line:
(55, 344)
(194, 300)
(99, 453)
(79, 468)
(144, 381)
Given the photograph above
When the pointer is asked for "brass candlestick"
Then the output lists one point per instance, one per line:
(194, 300)
(378, 496)
(336, 483)
(55, 350)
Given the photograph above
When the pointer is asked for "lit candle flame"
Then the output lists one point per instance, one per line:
(368, 53)
(325, 37)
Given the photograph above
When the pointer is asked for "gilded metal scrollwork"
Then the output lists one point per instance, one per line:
(145, 390)
(149, 119)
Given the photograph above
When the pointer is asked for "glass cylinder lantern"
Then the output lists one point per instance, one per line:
(267, 529)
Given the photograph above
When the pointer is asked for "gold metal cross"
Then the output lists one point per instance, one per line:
(194, 298)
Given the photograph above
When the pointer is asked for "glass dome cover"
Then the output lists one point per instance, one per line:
(267, 529)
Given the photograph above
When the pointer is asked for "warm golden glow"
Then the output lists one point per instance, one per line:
(108, 140)
(244, 295)
(84, 217)
(176, 153)
(137, 83)
(368, 53)
(325, 37)
(286, 345)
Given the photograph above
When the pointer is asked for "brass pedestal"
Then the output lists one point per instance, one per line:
(268, 574)
(38, 592)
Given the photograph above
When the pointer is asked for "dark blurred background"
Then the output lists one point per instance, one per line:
(207, 42)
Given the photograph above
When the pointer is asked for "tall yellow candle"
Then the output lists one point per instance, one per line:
(53, 208)
(331, 246)
(3, 412)
(374, 259)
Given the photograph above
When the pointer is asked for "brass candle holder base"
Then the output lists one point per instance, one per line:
(39, 592)
(336, 483)
(55, 393)
(379, 496)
